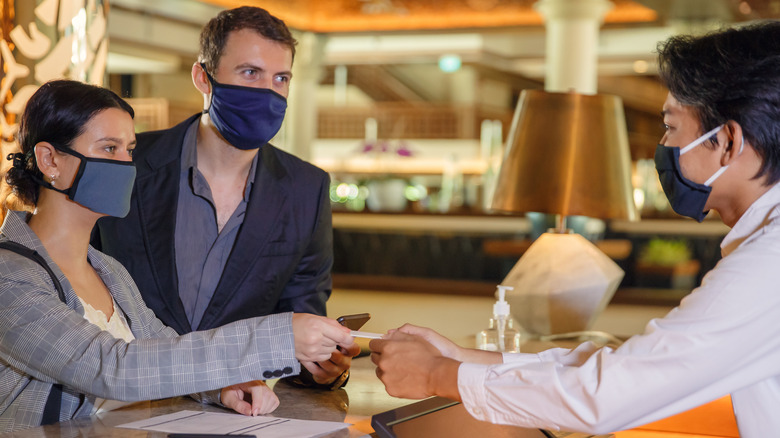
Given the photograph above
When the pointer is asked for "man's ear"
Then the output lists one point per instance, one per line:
(200, 79)
(47, 159)
(735, 141)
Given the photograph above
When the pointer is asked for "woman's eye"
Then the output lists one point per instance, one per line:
(110, 149)
(666, 127)
(130, 152)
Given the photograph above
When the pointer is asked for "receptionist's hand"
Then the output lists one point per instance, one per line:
(446, 347)
(450, 349)
(250, 398)
(411, 367)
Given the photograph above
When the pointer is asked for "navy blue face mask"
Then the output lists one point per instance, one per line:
(686, 197)
(103, 186)
(246, 117)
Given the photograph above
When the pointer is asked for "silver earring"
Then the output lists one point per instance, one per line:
(52, 179)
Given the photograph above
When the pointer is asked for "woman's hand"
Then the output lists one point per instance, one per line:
(317, 337)
(250, 398)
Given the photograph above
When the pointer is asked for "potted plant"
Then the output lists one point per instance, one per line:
(667, 263)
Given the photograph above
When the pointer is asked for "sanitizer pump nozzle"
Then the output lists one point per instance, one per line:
(501, 308)
(500, 336)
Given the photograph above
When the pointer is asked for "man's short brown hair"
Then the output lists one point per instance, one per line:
(215, 33)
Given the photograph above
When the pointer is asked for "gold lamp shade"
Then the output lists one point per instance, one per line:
(567, 154)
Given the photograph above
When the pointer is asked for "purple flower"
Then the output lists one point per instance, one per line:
(403, 150)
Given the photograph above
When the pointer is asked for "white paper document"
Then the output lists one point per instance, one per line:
(235, 424)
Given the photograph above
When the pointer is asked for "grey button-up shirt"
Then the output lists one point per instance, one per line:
(201, 248)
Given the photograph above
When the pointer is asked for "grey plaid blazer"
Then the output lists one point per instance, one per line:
(43, 341)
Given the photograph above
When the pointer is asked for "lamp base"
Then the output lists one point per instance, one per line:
(561, 284)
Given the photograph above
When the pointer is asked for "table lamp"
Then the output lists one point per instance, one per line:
(566, 154)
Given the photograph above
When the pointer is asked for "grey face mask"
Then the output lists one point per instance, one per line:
(101, 185)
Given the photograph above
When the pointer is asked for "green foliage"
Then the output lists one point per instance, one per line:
(665, 252)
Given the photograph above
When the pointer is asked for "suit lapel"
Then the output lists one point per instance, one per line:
(267, 201)
(158, 191)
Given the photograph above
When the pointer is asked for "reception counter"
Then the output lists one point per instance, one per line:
(355, 404)
(365, 395)
(362, 397)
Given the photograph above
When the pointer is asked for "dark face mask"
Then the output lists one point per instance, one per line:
(246, 117)
(103, 186)
(686, 197)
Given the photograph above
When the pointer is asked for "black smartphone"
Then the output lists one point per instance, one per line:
(354, 322)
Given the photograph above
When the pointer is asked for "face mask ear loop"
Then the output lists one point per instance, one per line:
(701, 139)
(741, 144)
(723, 169)
(69, 192)
(211, 84)
(715, 176)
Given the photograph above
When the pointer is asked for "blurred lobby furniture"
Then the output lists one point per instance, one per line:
(471, 253)
(616, 249)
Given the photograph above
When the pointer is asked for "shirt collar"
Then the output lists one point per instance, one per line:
(189, 158)
(16, 229)
(763, 211)
(189, 152)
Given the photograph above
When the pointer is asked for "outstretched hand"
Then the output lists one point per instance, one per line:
(446, 347)
(250, 398)
(411, 367)
(450, 349)
(316, 337)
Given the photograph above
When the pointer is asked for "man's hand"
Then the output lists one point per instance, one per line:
(317, 337)
(410, 367)
(450, 349)
(326, 372)
(250, 398)
(446, 347)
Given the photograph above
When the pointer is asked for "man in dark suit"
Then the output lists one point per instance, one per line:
(224, 226)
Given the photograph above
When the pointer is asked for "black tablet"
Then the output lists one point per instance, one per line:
(438, 416)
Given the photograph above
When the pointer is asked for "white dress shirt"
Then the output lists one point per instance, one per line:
(723, 338)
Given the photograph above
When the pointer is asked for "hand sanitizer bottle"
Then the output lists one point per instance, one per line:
(500, 335)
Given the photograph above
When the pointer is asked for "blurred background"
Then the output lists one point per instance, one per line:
(407, 104)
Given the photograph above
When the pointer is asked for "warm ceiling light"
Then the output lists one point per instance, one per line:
(640, 66)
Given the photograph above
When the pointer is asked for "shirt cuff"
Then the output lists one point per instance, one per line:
(471, 386)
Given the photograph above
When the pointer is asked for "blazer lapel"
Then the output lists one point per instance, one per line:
(266, 202)
(158, 191)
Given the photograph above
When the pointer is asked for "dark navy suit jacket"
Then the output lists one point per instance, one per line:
(282, 256)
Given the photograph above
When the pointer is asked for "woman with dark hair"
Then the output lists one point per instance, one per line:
(721, 151)
(75, 335)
